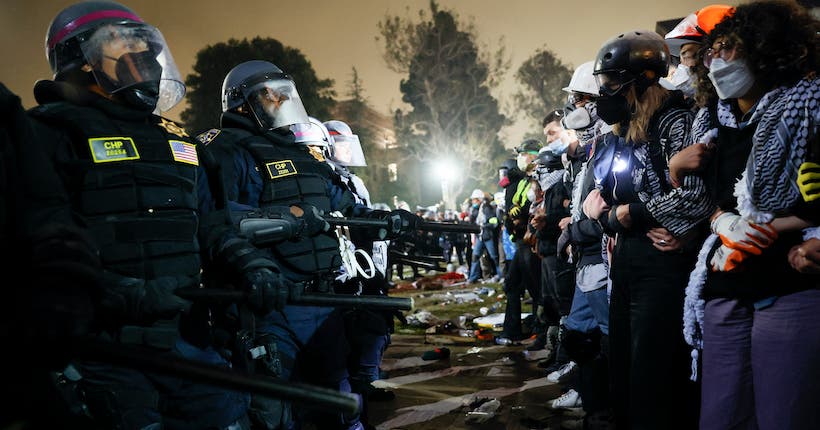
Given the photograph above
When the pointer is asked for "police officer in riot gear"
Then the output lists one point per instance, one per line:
(266, 169)
(137, 182)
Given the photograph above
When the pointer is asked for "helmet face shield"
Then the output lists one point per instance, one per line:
(310, 134)
(347, 151)
(126, 56)
(275, 103)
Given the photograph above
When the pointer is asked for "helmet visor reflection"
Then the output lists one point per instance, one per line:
(125, 55)
(276, 103)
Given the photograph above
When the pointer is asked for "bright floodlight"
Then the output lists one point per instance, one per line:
(445, 170)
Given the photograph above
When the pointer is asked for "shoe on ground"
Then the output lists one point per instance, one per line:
(380, 394)
(507, 341)
(436, 354)
(563, 374)
(568, 400)
(539, 344)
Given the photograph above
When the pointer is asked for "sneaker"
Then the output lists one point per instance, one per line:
(539, 344)
(380, 394)
(563, 374)
(570, 399)
(506, 341)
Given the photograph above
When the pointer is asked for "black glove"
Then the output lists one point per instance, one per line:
(267, 290)
(310, 219)
(143, 301)
(401, 222)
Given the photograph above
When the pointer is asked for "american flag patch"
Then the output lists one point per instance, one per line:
(184, 152)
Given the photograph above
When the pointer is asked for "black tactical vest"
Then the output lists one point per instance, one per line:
(136, 188)
(290, 175)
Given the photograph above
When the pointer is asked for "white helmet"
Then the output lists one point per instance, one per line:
(477, 194)
(583, 81)
(313, 133)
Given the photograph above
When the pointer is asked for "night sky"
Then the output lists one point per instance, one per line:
(336, 35)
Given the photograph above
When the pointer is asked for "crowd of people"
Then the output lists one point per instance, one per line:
(666, 227)
(665, 230)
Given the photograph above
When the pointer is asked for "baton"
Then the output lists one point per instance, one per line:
(144, 360)
(425, 226)
(305, 299)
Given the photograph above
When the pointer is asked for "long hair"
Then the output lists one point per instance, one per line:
(643, 108)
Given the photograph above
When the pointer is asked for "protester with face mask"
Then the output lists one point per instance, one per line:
(754, 314)
(524, 269)
(553, 171)
(685, 40)
(649, 221)
(482, 212)
(586, 330)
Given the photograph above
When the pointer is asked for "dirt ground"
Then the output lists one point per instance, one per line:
(440, 393)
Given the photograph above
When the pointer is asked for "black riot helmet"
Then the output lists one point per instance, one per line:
(62, 45)
(267, 93)
(626, 59)
(508, 164)
(128, 58)
(549, 161)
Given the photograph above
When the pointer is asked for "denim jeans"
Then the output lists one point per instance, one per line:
(478, 250)
(590, 309)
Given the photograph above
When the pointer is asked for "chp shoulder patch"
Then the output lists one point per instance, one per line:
(172, 127)
(278, 169)
(208, 136)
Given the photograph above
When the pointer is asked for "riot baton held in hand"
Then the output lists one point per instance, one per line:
(305, 299)
(129, 356)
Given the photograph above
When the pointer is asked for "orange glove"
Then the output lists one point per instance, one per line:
(740, 234)
(727, 259)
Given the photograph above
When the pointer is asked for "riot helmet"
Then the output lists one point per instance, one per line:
(638, 57)
(504, 171)
(549, 161)
(314, 133)
(266, 92)
(128, 58)
(526, 153)
(315, 136)
(345, 148)
(696, 26)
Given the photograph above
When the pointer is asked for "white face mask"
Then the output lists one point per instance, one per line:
(531, 194)
(682, 80)
(522, 162)
(559, 145)
(731, 79)
(577, 119)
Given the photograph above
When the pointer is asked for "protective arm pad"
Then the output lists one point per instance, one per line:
(242, 256)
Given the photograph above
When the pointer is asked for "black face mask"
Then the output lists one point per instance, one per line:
(613, 109)
(138, 73)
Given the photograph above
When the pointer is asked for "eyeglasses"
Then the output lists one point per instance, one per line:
(724, 50)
